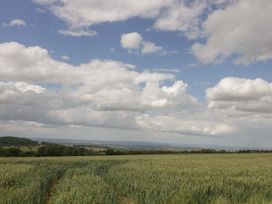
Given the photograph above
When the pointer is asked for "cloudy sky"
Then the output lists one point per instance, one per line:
(191, 72)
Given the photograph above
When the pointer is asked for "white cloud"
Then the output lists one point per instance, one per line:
(131, 40)
(84, 13)
(34, 64)
(11, 89)
(25, 87)
(41, 10)
(185, 124)
(135, 42)
(150, 47)
(15, 23)
(244, 95)
(186, 17)
(242, 30)
(21, 126)
(228, 25)
(112, 49)
(77, 33)
(106, 93)
(168, 15)
(65, 57)
(166, 70)
(183, 18)
(30, 64)
(99, 93)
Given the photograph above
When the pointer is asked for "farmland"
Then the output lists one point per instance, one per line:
(148, 179)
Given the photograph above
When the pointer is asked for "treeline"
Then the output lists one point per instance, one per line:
(16, 141)
(15, 152)
(23, 147)
(63, 150)
(46, 150)
(202, 151)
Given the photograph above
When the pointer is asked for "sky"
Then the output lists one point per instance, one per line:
(175, 71)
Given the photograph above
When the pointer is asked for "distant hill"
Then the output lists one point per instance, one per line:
(16, 141)
(23, 147)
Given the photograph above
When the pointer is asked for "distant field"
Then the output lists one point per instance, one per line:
(148, 179)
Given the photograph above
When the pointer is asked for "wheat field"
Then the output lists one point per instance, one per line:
(147, 179)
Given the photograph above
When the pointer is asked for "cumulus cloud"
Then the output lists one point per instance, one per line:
(20, 87)
(106, 93)
(30, 64)
(84, 13)
(150, 47)
(77, 33)
(186, 124)
(186, 17)
(21, 126)
(242, 30)
(166, 70)
(65, 57)
(15, 23)
(131, 40)
(40, 10)
(239, 94)
(183, 18)
(135, 42)
(99, 93)
(227, 24)
(11, 91)
(168, 15)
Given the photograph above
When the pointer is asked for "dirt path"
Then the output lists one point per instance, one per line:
(125, 200)
(51, 190)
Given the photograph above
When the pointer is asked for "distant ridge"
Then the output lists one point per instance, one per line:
(16, 141)
(121, 144)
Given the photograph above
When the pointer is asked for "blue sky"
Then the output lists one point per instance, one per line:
(176, 55)
(42, 30)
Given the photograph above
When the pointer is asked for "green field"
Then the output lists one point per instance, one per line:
(184, 178)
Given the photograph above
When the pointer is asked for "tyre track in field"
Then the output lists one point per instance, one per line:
(52, 187)
(51, 190)
(121, 198)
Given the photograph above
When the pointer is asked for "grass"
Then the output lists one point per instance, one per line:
(190, 178)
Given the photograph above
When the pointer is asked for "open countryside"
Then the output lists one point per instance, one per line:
(148, 179)
(135, 101)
